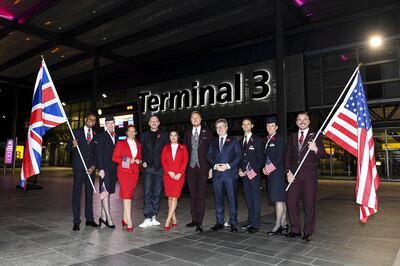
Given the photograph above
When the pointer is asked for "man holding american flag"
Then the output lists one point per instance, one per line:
(306, 178)
(249, 170)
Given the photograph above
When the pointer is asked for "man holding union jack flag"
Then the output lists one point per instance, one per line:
(85, 139)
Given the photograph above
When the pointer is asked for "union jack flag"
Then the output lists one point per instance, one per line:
(350, 127)
(47, 112)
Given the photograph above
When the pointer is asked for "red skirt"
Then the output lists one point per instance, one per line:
(172, 187)
(127, 184)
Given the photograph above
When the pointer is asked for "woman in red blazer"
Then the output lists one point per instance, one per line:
(128, 155)
(174, 158)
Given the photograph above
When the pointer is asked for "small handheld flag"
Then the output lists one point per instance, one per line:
(250, 171)
(269, 166)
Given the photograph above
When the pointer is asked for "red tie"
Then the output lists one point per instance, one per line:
(112, 134)
(88, 136)
(301, 139)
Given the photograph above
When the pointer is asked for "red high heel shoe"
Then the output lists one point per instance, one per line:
(124, 223)
(129, 229)
(173, 225)
(166, 228)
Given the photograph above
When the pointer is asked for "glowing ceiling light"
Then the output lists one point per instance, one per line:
(375, 41)
(104, 95)
(55, 50)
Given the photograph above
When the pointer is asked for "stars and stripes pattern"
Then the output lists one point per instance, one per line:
(350, 127)
(269, 166)
(47, 112)
(250, 171)
(103, 192)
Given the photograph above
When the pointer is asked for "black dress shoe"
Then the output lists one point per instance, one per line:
(217, 227)
(276, 232)
(192, 224)
(76, 227)
(252, 230)
(245, 226)
(199, 228)
(292, 235)
(234, 228)
(92, 224)
(106, 223)
(306, 237)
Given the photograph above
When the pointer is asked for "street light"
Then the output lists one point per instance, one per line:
(375, 41)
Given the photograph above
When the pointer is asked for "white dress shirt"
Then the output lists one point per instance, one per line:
(194, 130)
(133, 147)
(174, 147)
(305, 132)
(86, 129)
(247, 137)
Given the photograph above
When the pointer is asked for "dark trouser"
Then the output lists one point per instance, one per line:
(80, 178)
(307, 187)
(197, 182)
(253, 199)
(152, 186)
(230, 187)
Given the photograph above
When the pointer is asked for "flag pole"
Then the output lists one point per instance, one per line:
(323, 125)
(72, 133)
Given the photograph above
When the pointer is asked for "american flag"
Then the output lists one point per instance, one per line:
(250, 171)
(350, 127)
(269, 166)
(47, 112)
(103, 191)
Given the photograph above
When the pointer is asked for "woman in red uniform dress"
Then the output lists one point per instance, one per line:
(128, 155)
(174, 158)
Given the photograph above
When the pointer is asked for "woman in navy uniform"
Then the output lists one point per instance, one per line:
(274, 158)
(108, 169)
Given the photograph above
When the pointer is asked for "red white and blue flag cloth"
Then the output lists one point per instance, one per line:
(47, 112)
(350, 127)
(250, 171)
(269, 166)
(103, 191)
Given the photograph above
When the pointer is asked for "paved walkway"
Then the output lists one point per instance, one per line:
(35, 229)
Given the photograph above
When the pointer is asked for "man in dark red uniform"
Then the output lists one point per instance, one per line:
(305, 181)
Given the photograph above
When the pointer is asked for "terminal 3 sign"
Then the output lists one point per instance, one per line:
(245, 90)
(200, 95)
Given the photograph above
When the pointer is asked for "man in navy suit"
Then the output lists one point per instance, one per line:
(108, 169)
(224, 155)
(306, 179)
(85, 139)
(152, 142)
(197, 139)
(252, 159)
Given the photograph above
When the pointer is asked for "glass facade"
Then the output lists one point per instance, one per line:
(325, 77)
(56, 139)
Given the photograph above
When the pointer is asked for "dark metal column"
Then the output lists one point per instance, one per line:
(280, 68)
(95, 85)
(14, 117)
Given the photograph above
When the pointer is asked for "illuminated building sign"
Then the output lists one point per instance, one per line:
(9, 152)
(119, 120)
(239, 87)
